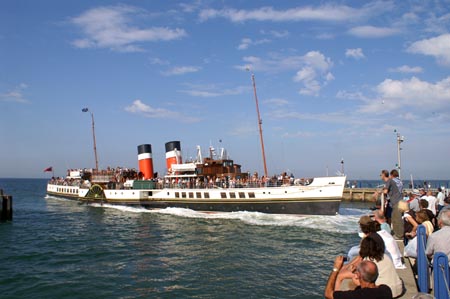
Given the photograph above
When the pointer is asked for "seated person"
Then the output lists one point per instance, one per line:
(409, 221)
(365, 276)
(373, 249)
(367, 226)
(423, 203)
(439, 240)
(422, 218)
(379, 217)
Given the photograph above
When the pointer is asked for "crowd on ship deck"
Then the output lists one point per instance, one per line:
(371, 270)
(253, 181)
(122, 178)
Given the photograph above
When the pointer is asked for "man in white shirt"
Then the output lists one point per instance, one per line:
(432, 201)
(440, 197)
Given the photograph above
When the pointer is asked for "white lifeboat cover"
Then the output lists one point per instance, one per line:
(184, 167)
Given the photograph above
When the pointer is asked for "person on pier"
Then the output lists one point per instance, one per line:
(373, 249)
(381, 219)
(365, 276)
(394, 194)
(438, 241)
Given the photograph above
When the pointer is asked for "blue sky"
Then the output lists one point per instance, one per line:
(334, 80)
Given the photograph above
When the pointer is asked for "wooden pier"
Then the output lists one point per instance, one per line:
(359, 194)
(6, 207)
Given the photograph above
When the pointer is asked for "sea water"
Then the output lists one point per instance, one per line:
(56, 248)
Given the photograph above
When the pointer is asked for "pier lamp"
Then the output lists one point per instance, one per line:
(400, 139)
(342, 166)
(93, 135)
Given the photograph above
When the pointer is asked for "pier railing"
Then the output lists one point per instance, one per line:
(6, 207)
(440, 269)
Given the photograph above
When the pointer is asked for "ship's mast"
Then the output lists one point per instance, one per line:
(259, 126)
(93, 135)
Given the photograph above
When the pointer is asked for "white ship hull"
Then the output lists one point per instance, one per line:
(321, 197)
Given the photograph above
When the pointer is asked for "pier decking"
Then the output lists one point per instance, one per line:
(407, 275)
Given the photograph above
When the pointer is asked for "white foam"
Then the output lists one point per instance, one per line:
(346, 222)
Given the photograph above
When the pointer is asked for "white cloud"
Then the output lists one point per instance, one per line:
(312, 68)
(159, 61)
(437, 24)
(354, 53)
(276, 33)
(181, 70)
(373, 32)
(346, 95)
(329, 12)
(138, 107)
(438, 47)
(274, 63)
(396, 95)
(314, 73)
(247, 42)
(325, 36)
(211, 91)
(15, 95)
(110, 27)
(276, 102)
(407, 69)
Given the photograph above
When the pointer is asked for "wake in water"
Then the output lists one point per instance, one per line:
(345, 222)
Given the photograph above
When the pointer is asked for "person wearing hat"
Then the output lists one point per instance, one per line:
(367, 226)
(413, 200)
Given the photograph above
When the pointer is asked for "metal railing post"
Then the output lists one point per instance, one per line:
(441, 276)
(422, 260)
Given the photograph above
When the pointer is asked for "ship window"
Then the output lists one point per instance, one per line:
(150, 193)
(191, 194)
(177, 194)
(241, 195)
(232, 195)
(251, 195)
(183, 194)
(199, 195)
(223, 194)
(206, 195)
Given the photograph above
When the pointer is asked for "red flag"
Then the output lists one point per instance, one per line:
(48, 169)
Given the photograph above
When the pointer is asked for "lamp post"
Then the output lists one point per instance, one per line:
(342, 166)
(93, 135)
(400, 139)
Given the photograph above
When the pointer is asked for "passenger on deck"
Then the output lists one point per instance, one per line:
(439, 240)
(365, 276)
